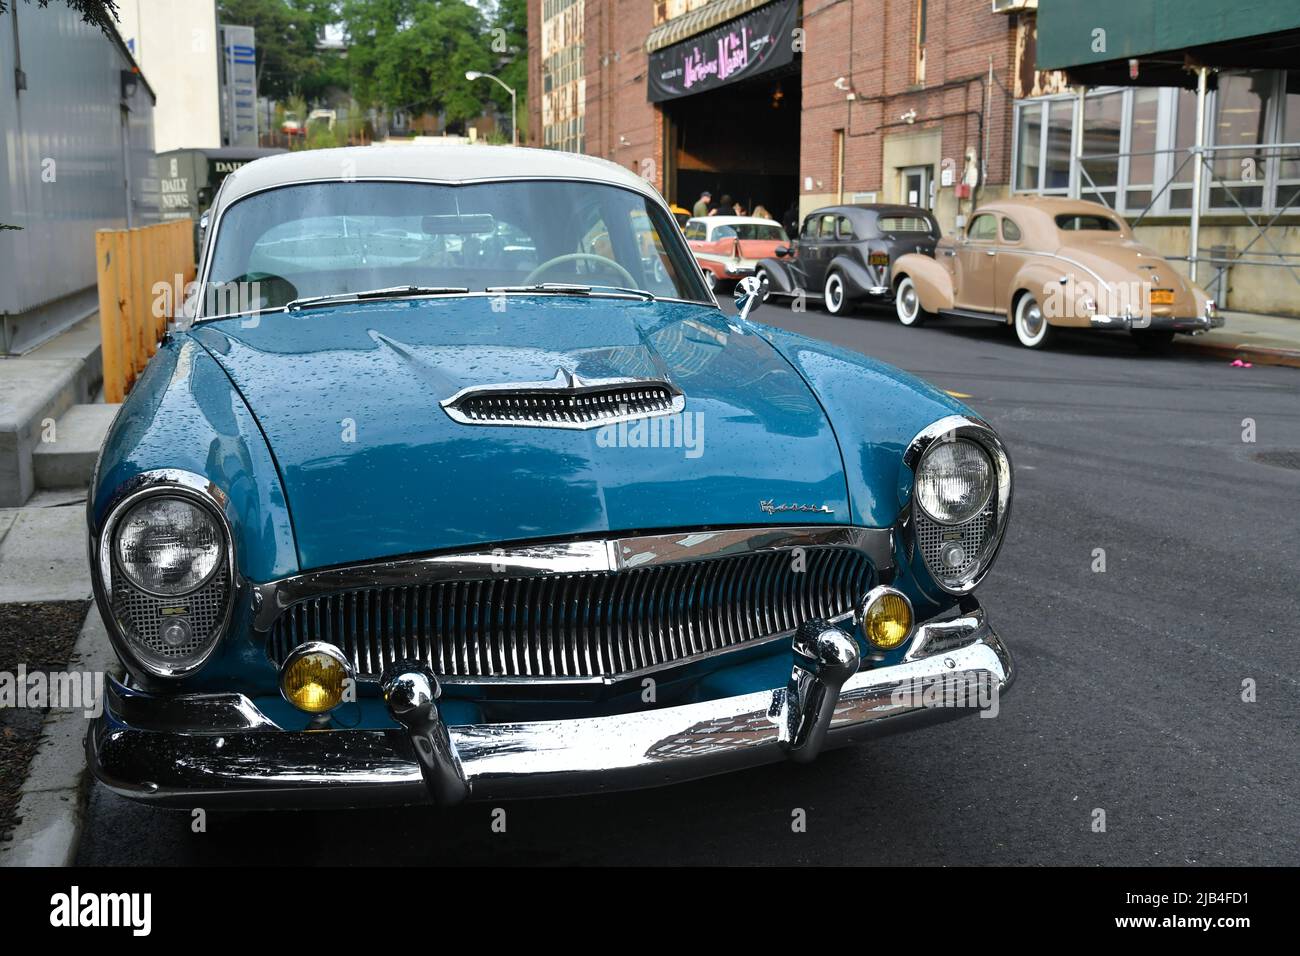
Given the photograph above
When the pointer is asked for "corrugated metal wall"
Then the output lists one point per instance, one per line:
(62, 165)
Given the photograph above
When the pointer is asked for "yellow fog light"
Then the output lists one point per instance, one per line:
(885, 616)
(314, 677)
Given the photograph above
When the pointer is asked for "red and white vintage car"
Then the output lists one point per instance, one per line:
(729, 247)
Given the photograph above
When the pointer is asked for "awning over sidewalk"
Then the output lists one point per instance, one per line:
(1094, 41)
(697, 21)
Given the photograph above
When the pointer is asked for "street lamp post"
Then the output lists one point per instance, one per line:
(514, 125)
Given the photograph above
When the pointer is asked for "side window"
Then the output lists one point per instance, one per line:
(1010, 231)
(827, 228)
(844, 228)
(723, 232)
(809, 228)
(695, 230)
(983, 228)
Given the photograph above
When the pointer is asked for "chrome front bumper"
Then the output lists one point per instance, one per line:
(220, 750)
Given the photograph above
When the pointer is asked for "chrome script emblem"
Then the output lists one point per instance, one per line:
(769, 507)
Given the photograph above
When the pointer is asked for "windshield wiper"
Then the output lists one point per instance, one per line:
(564, 288)
(394, 292)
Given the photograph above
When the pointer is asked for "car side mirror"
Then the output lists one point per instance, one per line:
(750, 291)
(781, 251)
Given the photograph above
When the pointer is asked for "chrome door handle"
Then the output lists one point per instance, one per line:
(991, 252)
(949, 252)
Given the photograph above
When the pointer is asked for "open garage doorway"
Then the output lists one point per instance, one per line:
(740, 140)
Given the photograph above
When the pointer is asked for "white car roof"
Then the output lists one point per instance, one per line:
(448, 164)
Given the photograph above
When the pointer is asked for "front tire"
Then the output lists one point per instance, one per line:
(765, 277)
(1031, 325)
(835, 297)
(907, 304)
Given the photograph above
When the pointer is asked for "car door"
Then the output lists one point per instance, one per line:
(1011, 256)
(976, 264)
(846, 239)
(823, 248)
(801, 249)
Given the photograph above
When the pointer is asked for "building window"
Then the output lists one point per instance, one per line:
(1135, 144)
(1029, 144)
(1241, 108)
(1287, 192)
(1142, 146)
(1103, 119)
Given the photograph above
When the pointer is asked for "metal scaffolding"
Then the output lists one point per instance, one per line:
(1201, 156)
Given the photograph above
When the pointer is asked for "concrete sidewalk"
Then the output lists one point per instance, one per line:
(1260, 339)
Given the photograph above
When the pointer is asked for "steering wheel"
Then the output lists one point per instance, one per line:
(550, 264)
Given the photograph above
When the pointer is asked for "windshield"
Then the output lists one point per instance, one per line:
(322, 239)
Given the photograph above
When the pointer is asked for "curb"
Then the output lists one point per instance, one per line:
(53, 803)
(1258, 354)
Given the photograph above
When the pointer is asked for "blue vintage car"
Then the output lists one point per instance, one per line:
(454, 482)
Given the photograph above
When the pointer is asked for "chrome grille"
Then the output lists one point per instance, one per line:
(565, 407)
(583, 625)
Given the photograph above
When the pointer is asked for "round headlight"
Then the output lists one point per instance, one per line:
(954, 481)
(168, 546)
(885, 617)
(314, 676)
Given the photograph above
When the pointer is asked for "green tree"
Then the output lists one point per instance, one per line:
(413, 54)
(288, 60)
(510, 46)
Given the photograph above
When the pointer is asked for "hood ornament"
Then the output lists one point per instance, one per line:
(566, 401)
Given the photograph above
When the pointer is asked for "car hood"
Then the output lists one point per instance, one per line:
(372, 466)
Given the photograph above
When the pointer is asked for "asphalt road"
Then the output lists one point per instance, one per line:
(1129, 695)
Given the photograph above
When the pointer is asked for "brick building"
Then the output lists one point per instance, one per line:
(938, 103)
(879, 100)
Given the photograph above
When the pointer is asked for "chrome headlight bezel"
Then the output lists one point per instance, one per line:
(108, 577)
(993, 515)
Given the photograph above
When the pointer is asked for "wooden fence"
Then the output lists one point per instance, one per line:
(134, 265)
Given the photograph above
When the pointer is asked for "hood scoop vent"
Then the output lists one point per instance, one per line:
(566, 401)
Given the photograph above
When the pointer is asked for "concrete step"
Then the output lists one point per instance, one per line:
(35, 389)
(65, 456)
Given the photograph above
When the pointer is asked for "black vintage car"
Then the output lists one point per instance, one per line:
(844, 254)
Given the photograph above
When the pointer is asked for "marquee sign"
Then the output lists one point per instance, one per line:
(755, 43)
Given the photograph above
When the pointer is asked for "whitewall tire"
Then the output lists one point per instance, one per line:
(1031, 325)
(835, 297)
(907, 304)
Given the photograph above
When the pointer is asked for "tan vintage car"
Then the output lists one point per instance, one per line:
(1038, 263)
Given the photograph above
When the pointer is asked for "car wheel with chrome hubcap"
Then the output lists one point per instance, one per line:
(834, 296)
(1031, 325)
(907, 303)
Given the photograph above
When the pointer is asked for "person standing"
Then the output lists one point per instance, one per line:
(725, 206)
(701, 207)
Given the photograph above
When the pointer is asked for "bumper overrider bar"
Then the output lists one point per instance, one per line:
(220, 750)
